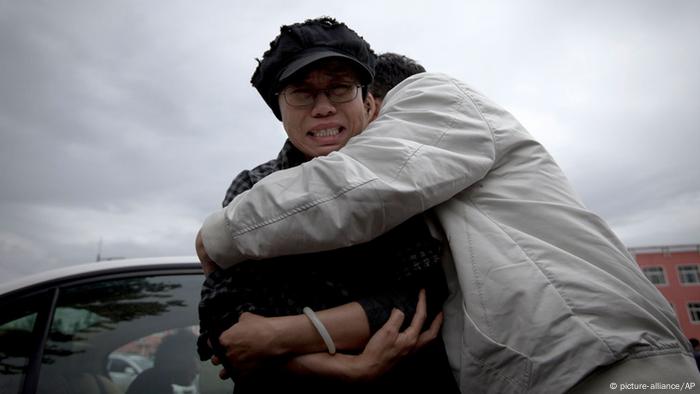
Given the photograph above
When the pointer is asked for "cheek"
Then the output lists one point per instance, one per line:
(361, 123)
(288, 119)
(290, 123)
(359, 118)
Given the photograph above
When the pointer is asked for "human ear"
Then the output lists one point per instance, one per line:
(372, 106)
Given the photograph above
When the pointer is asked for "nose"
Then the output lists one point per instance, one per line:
(323, 106)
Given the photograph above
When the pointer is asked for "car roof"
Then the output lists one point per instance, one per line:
(86, 271)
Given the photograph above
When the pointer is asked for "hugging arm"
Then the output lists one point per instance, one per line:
(385, 274)
(386, 347)
(383, 350)
(431, 141)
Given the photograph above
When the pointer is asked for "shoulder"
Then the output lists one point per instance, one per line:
(289, 156)
(261, 171)
(429, 89)
(247, 178)
(427, 80)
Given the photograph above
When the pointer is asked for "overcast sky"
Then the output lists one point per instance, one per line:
(123, 122)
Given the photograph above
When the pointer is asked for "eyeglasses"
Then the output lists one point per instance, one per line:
(305, 97)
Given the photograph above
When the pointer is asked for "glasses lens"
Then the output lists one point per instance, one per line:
(341, 93)
(299, 97)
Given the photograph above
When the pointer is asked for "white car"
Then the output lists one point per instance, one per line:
(96, 328)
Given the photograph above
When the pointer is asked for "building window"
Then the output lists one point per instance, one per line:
(694, 312)
(655, 275)
(689, 274)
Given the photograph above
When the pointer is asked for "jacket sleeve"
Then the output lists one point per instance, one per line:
(430, 142)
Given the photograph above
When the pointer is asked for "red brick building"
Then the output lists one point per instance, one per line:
(675, 270)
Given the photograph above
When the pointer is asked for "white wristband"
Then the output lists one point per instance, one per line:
(321, 329)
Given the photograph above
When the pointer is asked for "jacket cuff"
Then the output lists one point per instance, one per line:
(218, 241)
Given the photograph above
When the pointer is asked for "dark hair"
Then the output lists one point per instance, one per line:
(301, 44)
(694, 342)
(390, 70)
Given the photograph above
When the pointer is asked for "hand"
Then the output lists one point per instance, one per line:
(386, 347)
(208, 265)
(248, 343)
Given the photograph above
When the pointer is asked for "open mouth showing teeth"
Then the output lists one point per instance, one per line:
(325, 132)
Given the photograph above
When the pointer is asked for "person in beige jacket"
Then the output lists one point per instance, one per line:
(544, 297)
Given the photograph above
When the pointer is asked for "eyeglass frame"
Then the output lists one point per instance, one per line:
(357, 86)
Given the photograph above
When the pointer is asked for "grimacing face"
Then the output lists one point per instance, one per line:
(324, 126)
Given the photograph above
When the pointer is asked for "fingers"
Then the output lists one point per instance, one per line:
(394, 322)
(389, 345)
(396, 318)
(223, 373)
(390, 329)
(432, 332)
(413, 331)
(419, 317)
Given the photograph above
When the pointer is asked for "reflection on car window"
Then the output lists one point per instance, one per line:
(123, 368)
(100, 337)
(173, 365)
(68, 321)
(16, 333)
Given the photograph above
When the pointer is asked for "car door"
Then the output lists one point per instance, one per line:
(60, 339)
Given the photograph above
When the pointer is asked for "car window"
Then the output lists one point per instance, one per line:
(117, 366)
(19, 338)
(132, 362)
(105, 337)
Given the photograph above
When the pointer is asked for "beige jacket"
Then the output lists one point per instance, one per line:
(542, 291)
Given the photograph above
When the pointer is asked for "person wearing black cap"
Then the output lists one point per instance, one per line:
(315, 79)
(544, 298)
